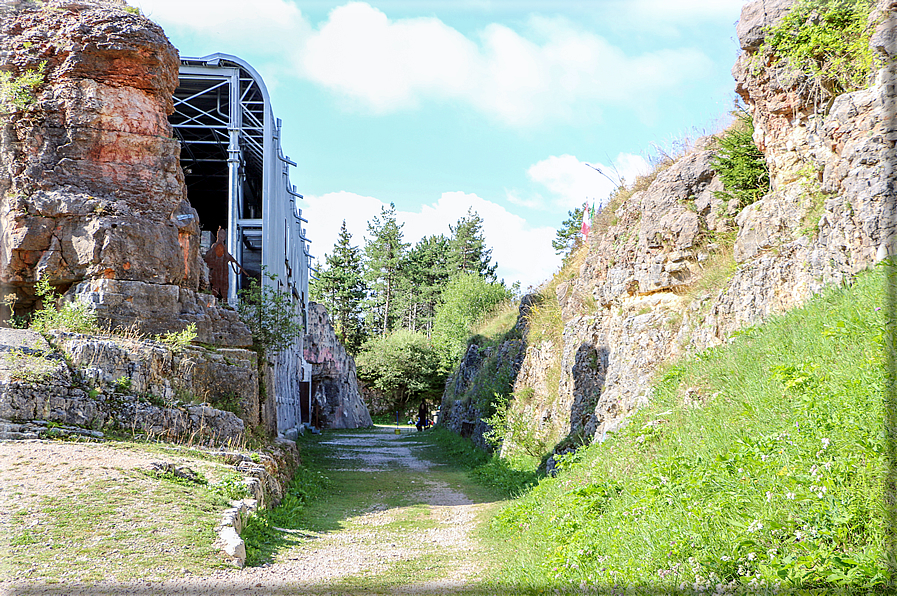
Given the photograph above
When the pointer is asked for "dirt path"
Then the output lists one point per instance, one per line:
(392, 523)
(422, 546)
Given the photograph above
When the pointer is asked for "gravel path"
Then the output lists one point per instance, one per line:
(361, 556)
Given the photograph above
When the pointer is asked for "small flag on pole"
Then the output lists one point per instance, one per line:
(586, 219)
(588, 212)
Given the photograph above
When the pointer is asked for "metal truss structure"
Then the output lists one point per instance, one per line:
(238, 179)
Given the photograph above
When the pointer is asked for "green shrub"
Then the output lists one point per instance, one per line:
(467, 300)
(74, 316)
(828, 40)
(272, 315)
(17, 93)
(403, 365)
(178, 340)
(512, 427)
(740, 164)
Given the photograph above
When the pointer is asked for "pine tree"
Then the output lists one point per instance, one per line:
(569, 235)
(385, 253)
(425, 274)
(340, 287)
(468, 252)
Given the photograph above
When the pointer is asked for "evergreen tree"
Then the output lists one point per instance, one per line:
(425, 274)
(468, 252)
(385, 253)
(569, 235)
(340, 287)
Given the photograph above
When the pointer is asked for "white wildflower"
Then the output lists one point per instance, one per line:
(789, 496)
(825, 443)
(768, 496)
(751, 556)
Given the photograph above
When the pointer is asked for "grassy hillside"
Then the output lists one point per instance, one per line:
(760, 466)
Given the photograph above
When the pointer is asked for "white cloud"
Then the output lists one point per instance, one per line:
(571, 182)
(325, 215)
(385, 65)
(360, 53)
(556, 70)
(523, 252)
(232, 26)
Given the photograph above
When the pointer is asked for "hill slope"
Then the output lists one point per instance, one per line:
(759, 465)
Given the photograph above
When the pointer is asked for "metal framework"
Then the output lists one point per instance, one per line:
(238, 178)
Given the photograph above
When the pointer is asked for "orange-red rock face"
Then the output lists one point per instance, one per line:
(90, 183)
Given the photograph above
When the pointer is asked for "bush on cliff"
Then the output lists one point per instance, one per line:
(75, 316)
(272, 315)
(740, 164)
(759, 468)
(827, 40)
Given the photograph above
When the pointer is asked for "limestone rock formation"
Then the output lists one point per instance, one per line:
(98, 383)
(463, 415)
(92, 196)
(643, 294)
(334, 383)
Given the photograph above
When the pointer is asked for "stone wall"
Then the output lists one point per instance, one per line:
(642, 295)
(92, 197)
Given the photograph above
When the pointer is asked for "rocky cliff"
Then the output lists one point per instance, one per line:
(92, 196)
(334, 384)
(671, 267)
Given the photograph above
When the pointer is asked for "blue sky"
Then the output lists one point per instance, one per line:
(439, 106)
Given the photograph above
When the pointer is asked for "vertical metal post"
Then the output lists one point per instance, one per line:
(234, 186)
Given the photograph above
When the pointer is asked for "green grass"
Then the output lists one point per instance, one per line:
(499, 327)
(140, 528)
(759, 467)
(504, 478)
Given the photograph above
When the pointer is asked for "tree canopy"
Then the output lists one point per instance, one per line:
(385, 253)
(469, 253)
(405, 311)
(340, 287)
(467, 299)
(403, 365)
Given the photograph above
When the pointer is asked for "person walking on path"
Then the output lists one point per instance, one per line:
(423, 415)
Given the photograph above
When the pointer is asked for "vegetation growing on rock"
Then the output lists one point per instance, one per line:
(740, 164)
(828, 41)
(271, 314)
(17, 93)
